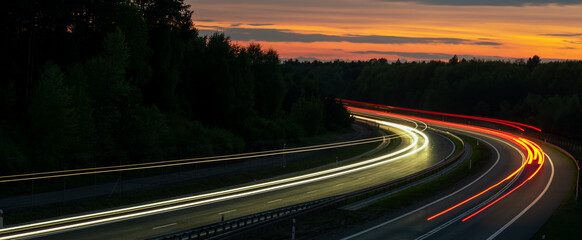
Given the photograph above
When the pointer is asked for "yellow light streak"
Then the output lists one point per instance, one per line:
(180, 162)
(221, 195)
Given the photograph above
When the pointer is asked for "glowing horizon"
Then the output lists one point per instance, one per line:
(414, 30)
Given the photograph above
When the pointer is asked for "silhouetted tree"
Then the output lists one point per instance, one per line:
(533, 62)
(454, 60)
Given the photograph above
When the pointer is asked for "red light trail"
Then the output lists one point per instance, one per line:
(499, 121)
(538, 153)
(533, 150)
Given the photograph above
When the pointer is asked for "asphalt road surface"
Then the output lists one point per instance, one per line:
(518, 215)
(187, 218)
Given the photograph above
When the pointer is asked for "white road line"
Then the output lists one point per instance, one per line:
(227, 194)
(276, 200)
(475, 208)
(425, 206)
(337, 185)
(163, 226)
(361, 178)
(311, 192)
(530, 205)
(229, 211)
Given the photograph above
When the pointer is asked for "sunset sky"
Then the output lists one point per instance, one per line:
(397, 29)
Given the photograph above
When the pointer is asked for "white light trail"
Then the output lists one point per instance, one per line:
(136, 211)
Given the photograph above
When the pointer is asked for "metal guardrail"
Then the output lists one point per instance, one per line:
(219, 230)
(575, 163)
(345, 198)
(246, 224)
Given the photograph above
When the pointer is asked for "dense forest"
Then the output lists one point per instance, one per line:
(546, 95)
(103, 82)
(96, 82)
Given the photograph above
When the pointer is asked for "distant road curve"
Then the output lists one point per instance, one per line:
(511, 199)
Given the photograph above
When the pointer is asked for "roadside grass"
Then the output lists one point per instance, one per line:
(326, 221)
(565, 221)
(181, 189)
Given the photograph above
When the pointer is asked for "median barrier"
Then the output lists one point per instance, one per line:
(246, 224)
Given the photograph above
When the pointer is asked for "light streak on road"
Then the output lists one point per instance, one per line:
(528, 206)
(537, 154)
(358, 234)
(181, 162)
(525, 144)
(500, 121)
(488, 131)
(534, 153)
(418, 143)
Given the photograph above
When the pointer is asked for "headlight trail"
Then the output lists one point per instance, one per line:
(503, 122)
(181, 162)
(169, 205)
(534, 153)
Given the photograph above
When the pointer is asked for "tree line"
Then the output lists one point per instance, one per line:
(95, 82)
(546, 95)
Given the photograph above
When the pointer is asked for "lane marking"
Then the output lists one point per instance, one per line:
(276, 200)
(530, 205)
(361, 178)
(478, 206)
(229, 211)
(412, 148)
(163, 226)
(311, 192)
(337, 185)
(432, 203)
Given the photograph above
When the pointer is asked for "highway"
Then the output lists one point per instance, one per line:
(514, 207)
(415, 153)
(510, 199)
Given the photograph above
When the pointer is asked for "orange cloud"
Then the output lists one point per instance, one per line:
(363, 29)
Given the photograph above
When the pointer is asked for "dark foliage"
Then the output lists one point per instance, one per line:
(546, 95)
(98, 82)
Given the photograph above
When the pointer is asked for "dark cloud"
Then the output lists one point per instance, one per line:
(488, 43)
(261, 24)
(421, 55)
(251, 24)
(276, 35)
(204, 20)
(562, 34)
(574, 42)
(209, 26)
(490, 2)
(409, 54)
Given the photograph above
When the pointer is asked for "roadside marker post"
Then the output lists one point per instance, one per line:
(293, 230)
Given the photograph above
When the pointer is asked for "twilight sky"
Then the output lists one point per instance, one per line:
(411, 30)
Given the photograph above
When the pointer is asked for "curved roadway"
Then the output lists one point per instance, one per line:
(184, 218)
(518, 215)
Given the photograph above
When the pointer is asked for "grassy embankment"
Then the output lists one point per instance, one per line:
(564, 222)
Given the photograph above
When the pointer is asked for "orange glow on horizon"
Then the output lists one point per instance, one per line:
(549, 31)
